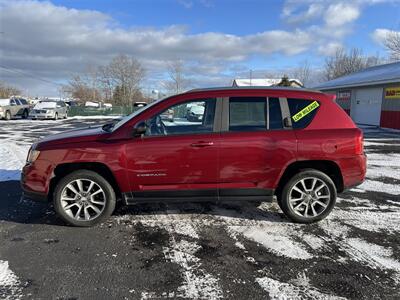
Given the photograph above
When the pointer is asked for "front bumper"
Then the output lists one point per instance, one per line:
(35, 179)
(2, 114)
(34, 196)
(42, 116)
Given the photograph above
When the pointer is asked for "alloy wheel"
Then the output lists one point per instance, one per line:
(309, 197)
(83, 199)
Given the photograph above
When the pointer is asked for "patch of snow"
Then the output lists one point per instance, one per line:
(10, 287)
(372, 254)
(378, 186)
(282, 291)
(276, 239)
(12, 159)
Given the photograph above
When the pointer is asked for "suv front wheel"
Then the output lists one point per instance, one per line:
(84, 198)
(308, 196)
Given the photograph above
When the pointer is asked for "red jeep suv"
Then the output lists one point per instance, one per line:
(241, 144)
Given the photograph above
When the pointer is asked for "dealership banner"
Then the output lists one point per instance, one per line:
(391, 93)
(343, 95)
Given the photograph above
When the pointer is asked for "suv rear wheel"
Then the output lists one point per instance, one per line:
(308, 196)
(84, 198)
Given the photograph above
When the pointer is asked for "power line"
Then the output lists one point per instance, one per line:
(29, 75)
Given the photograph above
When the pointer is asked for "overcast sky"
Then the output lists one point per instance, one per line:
(44, 42)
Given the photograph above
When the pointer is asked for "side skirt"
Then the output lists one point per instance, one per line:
(224, 195)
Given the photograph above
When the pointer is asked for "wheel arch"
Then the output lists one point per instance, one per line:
(64, 169)
(328, 167)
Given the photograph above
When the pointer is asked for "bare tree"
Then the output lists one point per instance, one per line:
(177, 82)
(124, 75)
(303, 73)
(80, 87)
(117, 82)
(343, 63)
(7, 91)
(392, 43)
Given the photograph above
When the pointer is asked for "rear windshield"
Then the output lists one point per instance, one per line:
(302, 112)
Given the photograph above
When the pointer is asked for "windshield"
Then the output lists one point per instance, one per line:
(45, 104)
(134, 114)
(4, 102)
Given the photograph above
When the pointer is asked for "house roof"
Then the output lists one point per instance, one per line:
(387, 73)
(262, 82)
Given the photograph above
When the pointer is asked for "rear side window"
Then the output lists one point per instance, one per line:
(17, 101)
(23, 101)
(247, 113)
(302, 112)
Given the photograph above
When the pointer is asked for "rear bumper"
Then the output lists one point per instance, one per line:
(353, 171)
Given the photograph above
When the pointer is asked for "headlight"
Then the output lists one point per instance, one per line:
(32, 155)
(48, 111)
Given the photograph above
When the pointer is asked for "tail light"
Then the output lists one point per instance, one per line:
(359, 143)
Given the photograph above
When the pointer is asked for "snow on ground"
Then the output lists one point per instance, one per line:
(10, 287)
(360, 233)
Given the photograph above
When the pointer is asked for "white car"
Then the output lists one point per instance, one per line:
(195, 113)
(49, 110)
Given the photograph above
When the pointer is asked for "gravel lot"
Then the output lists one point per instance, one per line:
(201, 251)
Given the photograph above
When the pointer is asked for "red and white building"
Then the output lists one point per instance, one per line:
(371, 96)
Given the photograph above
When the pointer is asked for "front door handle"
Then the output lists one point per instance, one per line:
(202, 144)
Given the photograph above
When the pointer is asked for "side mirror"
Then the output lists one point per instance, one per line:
(139, 129)
(287, 123)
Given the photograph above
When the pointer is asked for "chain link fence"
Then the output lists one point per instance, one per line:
(94, 111)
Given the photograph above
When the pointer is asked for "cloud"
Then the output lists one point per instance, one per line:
(329, 49)
(341, 13)
(380, 34)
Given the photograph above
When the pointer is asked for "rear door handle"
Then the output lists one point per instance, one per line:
(202, 144)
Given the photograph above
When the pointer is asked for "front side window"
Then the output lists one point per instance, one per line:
(190, 117)
(247, 113)
(23, 101)
(302, 111)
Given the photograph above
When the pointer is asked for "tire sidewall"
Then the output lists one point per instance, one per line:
(103, 183)
(283, 200)
(8, 115)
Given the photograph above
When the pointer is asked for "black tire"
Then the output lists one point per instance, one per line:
(110, 199)
(25, 114)
(283, 197)
(8, 115)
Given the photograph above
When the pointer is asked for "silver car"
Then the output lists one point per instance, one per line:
(48, 109)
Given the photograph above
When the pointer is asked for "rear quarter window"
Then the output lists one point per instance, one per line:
(302, 112)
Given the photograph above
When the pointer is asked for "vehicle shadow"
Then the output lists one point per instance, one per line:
(14, 208)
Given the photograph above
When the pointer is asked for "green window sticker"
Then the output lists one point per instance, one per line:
(305, 111)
